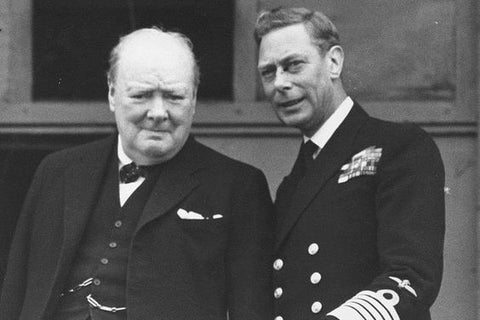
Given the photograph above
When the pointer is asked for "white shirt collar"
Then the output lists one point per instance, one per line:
(326, 131)
(123, 159)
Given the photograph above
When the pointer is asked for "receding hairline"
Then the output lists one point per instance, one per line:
(153, 36)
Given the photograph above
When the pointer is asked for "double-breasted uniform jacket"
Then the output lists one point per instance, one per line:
(362, 235)
(177, 268)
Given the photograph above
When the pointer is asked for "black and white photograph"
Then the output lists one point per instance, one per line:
(239, 160)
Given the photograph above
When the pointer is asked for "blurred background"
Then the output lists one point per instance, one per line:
(406, 60)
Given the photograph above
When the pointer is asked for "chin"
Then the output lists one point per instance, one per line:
(163, 152)
(296, 120)
(155, 149)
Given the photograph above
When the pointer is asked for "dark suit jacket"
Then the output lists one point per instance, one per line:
(364, 230)
(177, 269)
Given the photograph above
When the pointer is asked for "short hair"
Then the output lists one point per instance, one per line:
(183, 39)
(322, 31)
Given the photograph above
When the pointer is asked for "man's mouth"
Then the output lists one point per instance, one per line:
(289, 103)
(154, 129)
(155, 134)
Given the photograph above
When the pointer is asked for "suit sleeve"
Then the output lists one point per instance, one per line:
(15, 281)
(410, 213)
(249, 256)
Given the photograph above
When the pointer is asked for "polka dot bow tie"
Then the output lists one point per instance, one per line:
(131, 172)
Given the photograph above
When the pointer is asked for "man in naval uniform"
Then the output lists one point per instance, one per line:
(148, 223)
(360, 225)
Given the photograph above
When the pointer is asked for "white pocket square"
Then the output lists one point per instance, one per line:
(191, 215)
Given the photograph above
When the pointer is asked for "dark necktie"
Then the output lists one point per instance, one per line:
(307, 150)
(302, 165)
(131, 172)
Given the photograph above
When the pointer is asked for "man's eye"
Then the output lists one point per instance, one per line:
(140, 96)
(267, 73)
(294, 65)
(173, 96)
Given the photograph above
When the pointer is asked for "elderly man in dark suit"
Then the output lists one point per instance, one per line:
(361, 215)
(149, 223)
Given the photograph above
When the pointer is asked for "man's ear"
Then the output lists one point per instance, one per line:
(335, 59)
(194, 99)
(111, 92)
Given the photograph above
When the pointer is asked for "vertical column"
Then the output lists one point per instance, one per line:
(19, 30)
(466, 35)
(475, 67)
(5, 27)
(244, 52)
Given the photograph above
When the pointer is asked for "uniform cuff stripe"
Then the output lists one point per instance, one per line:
(372, 308)
(367, 305)
(357, 311)
(362, 309)
(389, 311)
(375, 304)
(346, 313)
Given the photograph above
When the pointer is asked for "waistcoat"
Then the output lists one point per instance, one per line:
(104, 251)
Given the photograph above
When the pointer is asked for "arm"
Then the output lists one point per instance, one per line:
(14, 285)
(249, 256)
(410, 213)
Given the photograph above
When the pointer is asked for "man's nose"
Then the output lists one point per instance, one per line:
(282, 81)
(158, 109)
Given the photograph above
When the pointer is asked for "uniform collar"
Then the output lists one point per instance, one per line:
(326, 131)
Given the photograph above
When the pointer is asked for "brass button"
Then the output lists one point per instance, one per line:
(316, 307)
(278, 293)
(278, 264)
(313, 249)
(315, 278)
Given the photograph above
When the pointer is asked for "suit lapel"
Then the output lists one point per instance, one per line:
(82, 183)
(335, 153)
(175, 182)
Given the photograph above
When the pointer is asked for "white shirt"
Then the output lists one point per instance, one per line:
(125, 189)
(326, 131)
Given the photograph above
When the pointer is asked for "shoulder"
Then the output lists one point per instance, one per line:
(66, 157)
(223, 169)
(396, 137)
(232, 179)
(219, 162)
(400, 142)
(405, 147)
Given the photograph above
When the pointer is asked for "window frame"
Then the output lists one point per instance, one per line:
(21, 114)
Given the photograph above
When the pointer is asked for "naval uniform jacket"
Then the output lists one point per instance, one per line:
(361, 237)
(177, 268)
